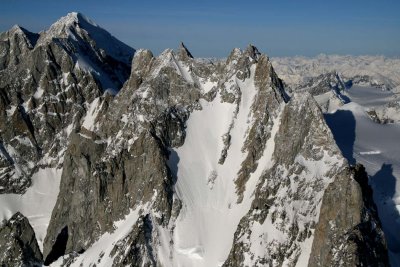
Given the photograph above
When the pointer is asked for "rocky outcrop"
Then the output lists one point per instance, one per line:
(265, 107)
(348, 232)
(137, 249)
(305, 160)
(18, 245)
(122, 162)
(14, 44)
(95, 192)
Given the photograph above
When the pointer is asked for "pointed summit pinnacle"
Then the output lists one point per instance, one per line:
(184, 53)
(16, 28)
(253, 52)
(72, 19)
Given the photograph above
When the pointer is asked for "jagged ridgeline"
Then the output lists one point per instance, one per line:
(168, 160)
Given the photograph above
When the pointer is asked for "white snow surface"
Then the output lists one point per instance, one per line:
(205, 227)
(370, 97)
(39, 92)
(36, 203)
(11, 110)
(208, 85)
(91, 115)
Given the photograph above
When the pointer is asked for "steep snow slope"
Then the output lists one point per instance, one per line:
(376, 147)
(36, 203)
(204, 230)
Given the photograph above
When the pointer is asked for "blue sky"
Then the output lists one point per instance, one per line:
(214, 28)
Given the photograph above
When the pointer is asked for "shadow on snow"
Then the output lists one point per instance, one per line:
(343, 126)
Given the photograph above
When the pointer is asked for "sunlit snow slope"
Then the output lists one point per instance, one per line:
(205, 228)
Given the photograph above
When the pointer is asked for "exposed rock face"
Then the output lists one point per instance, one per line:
(47, 82)
(265, 106)
(348, 232)
(18, 245)
(305, 161)
(123, 161)
(192, 163)
(95, 192)
(139, 252)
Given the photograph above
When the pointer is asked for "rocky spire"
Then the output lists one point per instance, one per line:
(19, 238)
(184, 53)
(253, 52)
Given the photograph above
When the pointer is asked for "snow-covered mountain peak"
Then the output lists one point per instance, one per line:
(77, 28)
(72, 64)
(16, 29)
(19, 37)
(179, 62)
(166, 58)
(62, 27)
(72, 19)
(251, 52)
(167, 53)
(79, 17)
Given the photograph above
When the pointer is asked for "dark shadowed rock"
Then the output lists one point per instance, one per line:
(18, 245)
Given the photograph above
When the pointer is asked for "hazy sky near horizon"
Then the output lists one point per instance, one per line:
(214, 28)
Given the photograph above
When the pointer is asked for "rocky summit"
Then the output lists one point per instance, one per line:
(111, 156)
